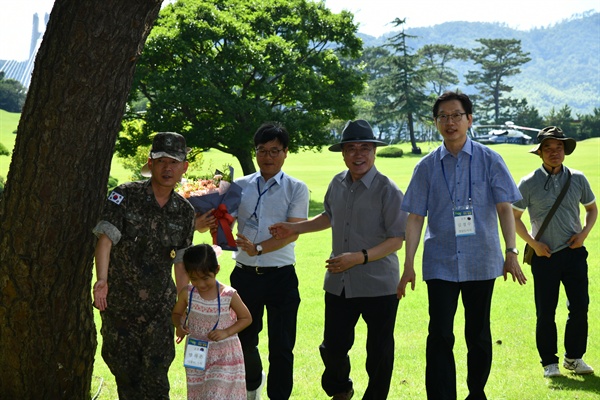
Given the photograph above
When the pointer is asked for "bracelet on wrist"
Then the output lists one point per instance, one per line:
(366, 255)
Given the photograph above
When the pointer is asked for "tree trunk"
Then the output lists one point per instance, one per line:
(54, 193)
(411, 130)
(246, 162)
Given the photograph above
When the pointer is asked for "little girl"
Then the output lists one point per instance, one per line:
(215, 314)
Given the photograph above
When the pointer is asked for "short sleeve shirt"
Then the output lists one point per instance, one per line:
(477, 172)
(540, 190)
(363, 214)
(279, 198)
(146, 240)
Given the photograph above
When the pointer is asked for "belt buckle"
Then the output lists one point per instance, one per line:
(258, 273)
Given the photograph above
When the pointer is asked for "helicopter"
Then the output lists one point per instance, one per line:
(507, 133)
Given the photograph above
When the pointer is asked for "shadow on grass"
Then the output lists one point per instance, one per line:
(587, 383)
(314, 208)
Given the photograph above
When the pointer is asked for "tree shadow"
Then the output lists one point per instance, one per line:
(314, 208)
(587, 383)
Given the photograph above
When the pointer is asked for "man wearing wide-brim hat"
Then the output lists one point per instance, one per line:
(560, 255)
(362, 207)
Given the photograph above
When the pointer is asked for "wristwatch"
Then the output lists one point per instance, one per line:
(512, 250)
(259, 249)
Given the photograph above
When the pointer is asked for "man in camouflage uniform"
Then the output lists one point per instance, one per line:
(145, 228)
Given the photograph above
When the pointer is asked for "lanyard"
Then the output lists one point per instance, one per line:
(446, 180)
(218, 305)
(260, 194)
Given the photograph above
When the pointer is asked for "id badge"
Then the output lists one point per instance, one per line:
(464, 222)
(196, 351)
(250, 229)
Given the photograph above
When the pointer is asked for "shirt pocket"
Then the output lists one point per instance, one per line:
(481, 193)
(133, 225)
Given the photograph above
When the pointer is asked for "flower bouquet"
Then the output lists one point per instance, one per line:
(218, 194)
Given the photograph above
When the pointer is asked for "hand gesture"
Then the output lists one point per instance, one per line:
(542, 249)
(282, 230)
(511, 266)
(218, 334)
(243, 243)
(205, 221)
(181, 331)
(343, 262)
(407, 276)
(100, 293)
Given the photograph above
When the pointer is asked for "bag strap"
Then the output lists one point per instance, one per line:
(554, 207)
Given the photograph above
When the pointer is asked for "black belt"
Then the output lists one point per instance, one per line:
(260, 270)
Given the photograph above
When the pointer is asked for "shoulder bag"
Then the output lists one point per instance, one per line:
(529, 251)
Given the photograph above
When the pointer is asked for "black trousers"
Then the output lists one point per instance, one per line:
(277, 292)
(568, 266)
(341, 316)
(440, 372)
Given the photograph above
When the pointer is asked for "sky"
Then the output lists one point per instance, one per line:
(374, 16)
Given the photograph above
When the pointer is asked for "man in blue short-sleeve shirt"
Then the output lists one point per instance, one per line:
(265, 274)
(463, 188)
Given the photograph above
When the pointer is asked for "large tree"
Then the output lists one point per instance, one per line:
(498, 60)
(55, 190)
(214, 70)
(407, 82)
(434, 61)
(12, 94)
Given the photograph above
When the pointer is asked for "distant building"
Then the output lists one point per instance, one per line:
(21, 70)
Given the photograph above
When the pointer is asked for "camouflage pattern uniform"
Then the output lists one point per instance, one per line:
(136, 326)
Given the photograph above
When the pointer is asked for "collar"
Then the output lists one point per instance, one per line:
(562, 169)
(258, 176)
(367, 178)
(467, 148)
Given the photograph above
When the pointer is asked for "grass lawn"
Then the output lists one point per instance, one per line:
(516, 372)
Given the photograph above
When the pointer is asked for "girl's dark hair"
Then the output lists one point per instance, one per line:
(447, 96)
(200, 259)
(271, 131)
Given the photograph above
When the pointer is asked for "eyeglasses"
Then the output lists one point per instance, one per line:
(261, 152)
(443, 118)
(353, 150)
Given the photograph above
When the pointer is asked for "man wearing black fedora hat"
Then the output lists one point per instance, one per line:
(143, 232)
(362, 207)
(560, 255)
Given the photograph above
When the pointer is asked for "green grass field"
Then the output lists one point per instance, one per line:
(516, 372)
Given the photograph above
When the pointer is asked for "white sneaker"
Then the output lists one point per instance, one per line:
(256, 394)
(578, 366)
(551, 371)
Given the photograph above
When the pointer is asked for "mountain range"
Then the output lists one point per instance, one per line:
(565, 58)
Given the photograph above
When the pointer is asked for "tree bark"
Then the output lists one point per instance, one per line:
(55, 190)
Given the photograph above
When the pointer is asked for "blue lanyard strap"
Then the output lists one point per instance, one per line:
(218, 305)
(260, 194)
(446, 180)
